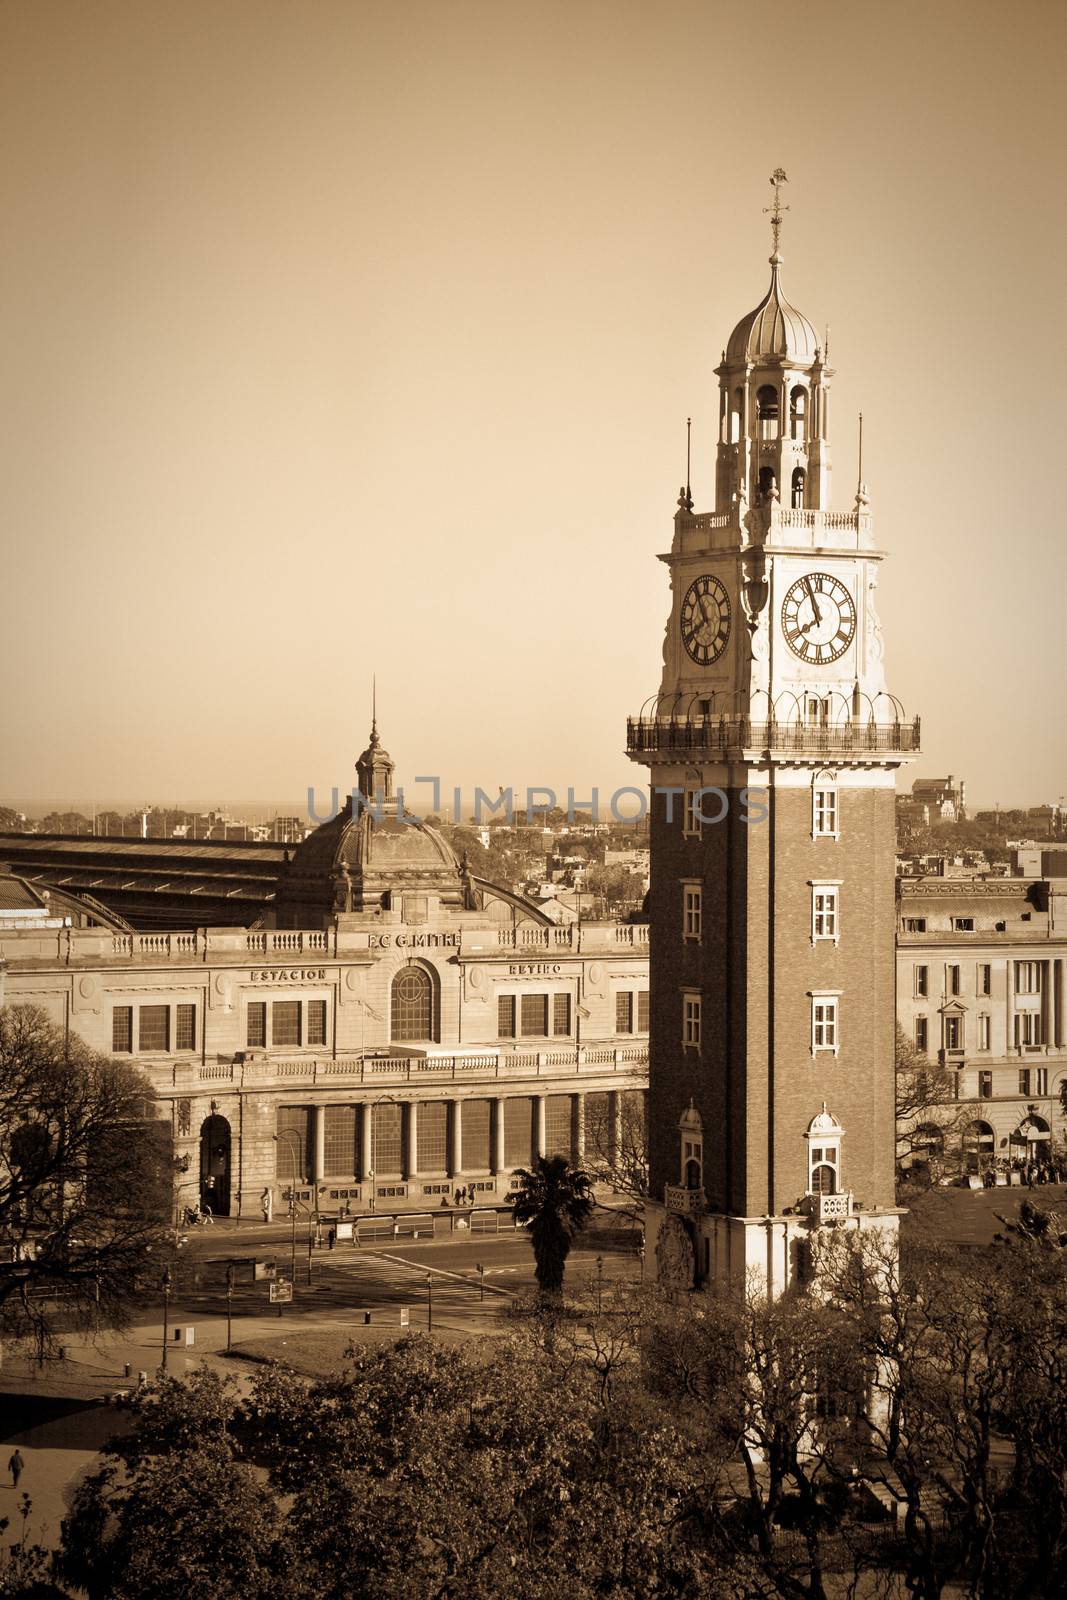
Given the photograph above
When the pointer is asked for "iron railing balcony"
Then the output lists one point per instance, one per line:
(670, 736)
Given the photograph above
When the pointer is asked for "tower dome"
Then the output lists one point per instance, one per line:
(775, 330)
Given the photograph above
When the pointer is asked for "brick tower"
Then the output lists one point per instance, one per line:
(772, 746)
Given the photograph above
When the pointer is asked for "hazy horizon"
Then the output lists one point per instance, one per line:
(347, 340)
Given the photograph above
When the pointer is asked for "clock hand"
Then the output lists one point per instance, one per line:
(814, 602)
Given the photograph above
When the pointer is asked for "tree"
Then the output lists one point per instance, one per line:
(85, 1183)
(618, 1157)
(555, 1200)
(67, 822)
(926, 1100)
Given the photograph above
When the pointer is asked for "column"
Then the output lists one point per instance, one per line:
(1010, 992)
(318, 1143)
(457, 1138)
(1061, 1001)
(366, 1144)
(579, 1129)
(411, 1166)
(498, 1136)
(541, 1140)
(615, 1126)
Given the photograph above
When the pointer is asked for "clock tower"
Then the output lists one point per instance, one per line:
(772, 745)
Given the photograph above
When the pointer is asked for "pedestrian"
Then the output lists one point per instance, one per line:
(15, 1466)
(331, 1238)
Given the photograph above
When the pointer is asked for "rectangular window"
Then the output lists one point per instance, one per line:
(922, 1035)
(985, 1086)
(518, 1131)
(1024, 1080)
(983, 1031)
(431, 1135)
(824, 814)
(386, 1139)
(316, 1022)
(824, 912)
(1028, 977)
(692, 911)
(185, 1027)
(1028, 1032)
(953, 1033)
(691, 1020)
(691, 813)
(476, 1125)
(293, 1150)
(642, 1010)
(505, 1016)
(534, 1016)
(561, 1014)
(985, 979)
(624, 1011)
(952, 979)
(559, 1125)
(122, 1030)
(256, 1025)
(153, 1028)
(339, 1142)
(922, 982)
(914, 924)
(285, 1022)
(823, 1023)
(963, 924)
(1041, 1080)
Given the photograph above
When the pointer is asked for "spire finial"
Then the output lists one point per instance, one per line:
(778, 177)
(374, 709)
(688, 442)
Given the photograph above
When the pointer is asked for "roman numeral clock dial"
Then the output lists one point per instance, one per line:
(818, 618)
(705, 620)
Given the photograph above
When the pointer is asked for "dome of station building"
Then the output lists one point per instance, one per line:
(774, 331)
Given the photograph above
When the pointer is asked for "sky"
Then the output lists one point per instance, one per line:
(353, 339)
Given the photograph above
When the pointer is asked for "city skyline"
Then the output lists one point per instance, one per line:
(348, 342)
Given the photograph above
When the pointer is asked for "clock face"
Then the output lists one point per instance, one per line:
(818, 618)
(705, 620)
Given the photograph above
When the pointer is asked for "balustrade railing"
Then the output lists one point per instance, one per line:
(655, 735)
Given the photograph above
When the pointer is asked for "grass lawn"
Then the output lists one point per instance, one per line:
(969, 1216)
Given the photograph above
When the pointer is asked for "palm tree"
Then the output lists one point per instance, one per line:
(555, 1199)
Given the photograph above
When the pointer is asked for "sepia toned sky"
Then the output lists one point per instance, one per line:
(344, 338)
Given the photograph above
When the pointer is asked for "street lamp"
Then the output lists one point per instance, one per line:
(599, 1282)
(229, 1307)
(293, 1146)
(429, 1303)
(166, 1315)
(481, 1280)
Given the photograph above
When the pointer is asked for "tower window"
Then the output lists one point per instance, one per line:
(824, 1024)
(798, 404)
(767, 411)
(767, 481)
(691, 1021)
(737, 412)
(985, 1086)
(796, 492)
(824, 919)
(824, 1136)
(922, 1035)
(692, 911)
(824, 812)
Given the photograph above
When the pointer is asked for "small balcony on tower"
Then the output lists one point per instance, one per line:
(672, 727)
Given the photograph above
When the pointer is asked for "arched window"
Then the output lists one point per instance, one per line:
(767, 482)
(413, 1007)
(767, 411)
(824, 1136)
(979, 1145)
(691, 1129)
(798, 404)
(737, 412)
(796, 493)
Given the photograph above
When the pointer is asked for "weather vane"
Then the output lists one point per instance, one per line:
(778, 177)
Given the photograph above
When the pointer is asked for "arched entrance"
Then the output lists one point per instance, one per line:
(215, 1165)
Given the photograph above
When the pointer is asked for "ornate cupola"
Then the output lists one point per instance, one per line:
(773, 401)
(375, 769)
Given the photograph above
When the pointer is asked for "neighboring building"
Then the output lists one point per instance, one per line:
(982, 988)
(400, 1030)
(943, 798)
(771, 1077)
